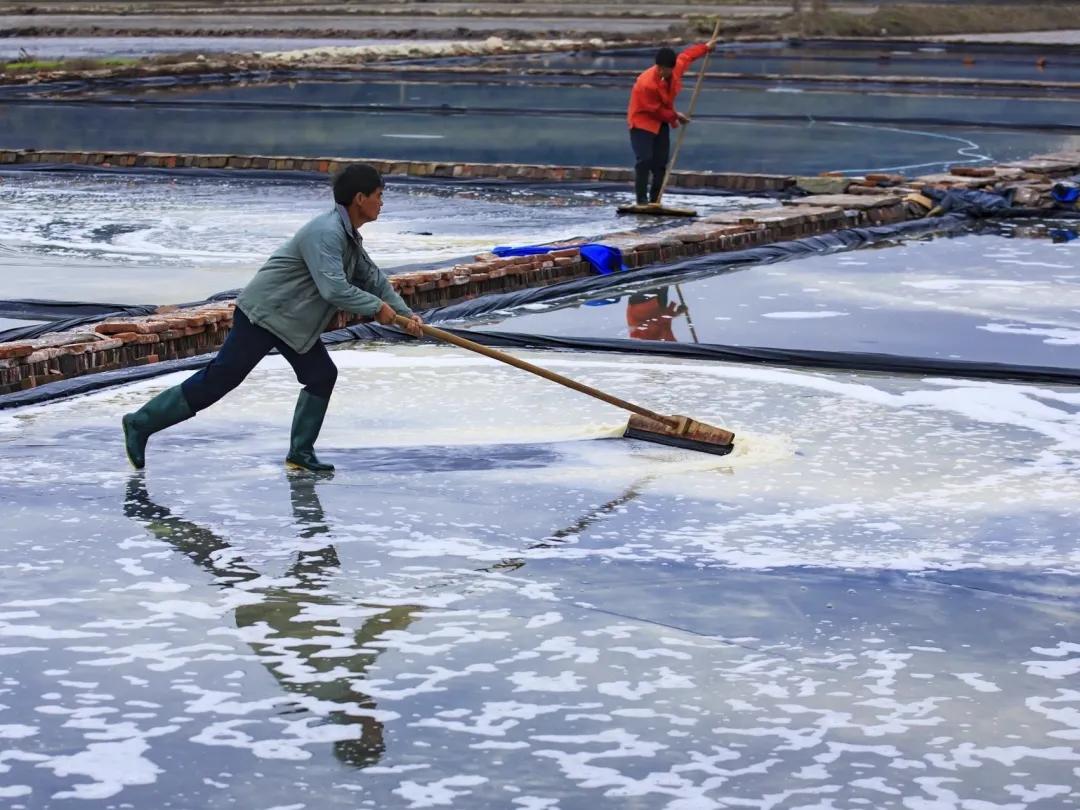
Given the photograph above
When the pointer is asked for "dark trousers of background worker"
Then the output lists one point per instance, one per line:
(651, 154)
(244, 347)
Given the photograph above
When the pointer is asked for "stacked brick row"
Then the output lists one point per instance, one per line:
(411, 168)
(112, 345)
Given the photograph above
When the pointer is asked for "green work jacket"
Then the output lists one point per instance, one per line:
(322, 269)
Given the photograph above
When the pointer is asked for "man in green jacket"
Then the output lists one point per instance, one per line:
(287, 306)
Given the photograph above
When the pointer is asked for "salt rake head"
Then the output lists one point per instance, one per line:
(682, 431)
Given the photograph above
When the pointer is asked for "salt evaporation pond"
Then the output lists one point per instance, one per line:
(492, 123)
(158, 240)
(873, 602)
(988, 297)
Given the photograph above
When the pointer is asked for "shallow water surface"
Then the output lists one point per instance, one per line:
(544, 125)
(495, 604)
(158, 240)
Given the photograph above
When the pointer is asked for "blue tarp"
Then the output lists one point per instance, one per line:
(603, 258)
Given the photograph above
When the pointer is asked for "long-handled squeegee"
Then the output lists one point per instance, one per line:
(676, 431)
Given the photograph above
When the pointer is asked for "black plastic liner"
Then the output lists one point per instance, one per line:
(95, 382)
(62, 324)
(583, 288)
(33, 309)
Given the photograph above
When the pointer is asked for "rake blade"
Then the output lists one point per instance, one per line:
(682, 432)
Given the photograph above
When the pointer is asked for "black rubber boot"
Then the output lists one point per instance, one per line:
(641, 183)
(306, 424)
(657, 185)
(167, 408)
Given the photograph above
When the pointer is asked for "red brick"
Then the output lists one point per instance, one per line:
(15, 350)
(120, 327)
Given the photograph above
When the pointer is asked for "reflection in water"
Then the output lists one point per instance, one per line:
(296, 651)
(557, 539)
(649, 315)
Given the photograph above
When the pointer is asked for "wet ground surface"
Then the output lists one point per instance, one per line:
(980, 297)
(151, 240)
(495, 602)
(493, 606)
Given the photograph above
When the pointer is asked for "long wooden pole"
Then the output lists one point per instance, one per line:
(686, 312)
(502, 357)
(690, 114)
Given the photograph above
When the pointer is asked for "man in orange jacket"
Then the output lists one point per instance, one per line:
(652, 115)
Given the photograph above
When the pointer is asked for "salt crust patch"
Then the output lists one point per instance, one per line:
(976, 682)
(794, 315)
(111, 766)
(17, 732)
(441, 793)
(1054, 336)
(1056, 670)
(950, 284)
(993, 403)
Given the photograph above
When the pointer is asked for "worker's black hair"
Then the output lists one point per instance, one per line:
(665, 57)
(356, 178)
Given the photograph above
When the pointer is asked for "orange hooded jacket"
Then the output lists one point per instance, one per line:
(651, 320)
(652, 101)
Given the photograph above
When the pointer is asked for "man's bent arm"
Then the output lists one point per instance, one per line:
(324, 260)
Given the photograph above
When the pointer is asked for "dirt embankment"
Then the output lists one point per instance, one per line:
(45, 29)
(908, 21)
(188, 64)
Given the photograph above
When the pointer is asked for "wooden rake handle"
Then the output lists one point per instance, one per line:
(447, 337)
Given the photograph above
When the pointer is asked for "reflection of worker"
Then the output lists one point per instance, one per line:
(648, 314)
(292, 616)
(286, 306)
(651, 115)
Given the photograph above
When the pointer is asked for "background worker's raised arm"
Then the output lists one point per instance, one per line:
(688, 55)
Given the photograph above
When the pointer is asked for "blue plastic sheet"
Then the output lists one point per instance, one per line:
(604, 259)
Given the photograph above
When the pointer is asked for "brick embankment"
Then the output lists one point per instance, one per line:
(845, 202)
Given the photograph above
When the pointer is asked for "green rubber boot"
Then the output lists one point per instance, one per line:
(167, 408)
(306, 424)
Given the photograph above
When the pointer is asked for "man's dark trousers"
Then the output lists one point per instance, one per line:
(244, 347)
(651, 157)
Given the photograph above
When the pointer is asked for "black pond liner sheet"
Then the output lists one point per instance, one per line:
(706, 265)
